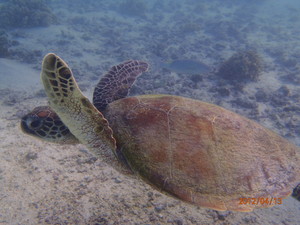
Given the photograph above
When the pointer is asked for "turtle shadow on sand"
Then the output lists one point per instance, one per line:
(196, 151)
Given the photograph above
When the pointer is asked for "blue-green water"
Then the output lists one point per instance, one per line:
(191, 39)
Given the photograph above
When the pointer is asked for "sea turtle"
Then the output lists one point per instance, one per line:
(196, 151)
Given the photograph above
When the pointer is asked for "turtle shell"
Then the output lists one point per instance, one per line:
(202, 153)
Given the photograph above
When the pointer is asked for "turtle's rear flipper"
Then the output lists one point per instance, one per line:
(296, 192)
(116, 83)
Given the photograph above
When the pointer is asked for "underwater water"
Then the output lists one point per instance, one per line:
(243, 55)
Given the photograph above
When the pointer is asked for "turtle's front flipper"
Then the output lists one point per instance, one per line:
(85, 122)
(116, 83)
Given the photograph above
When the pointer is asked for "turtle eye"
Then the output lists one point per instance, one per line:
(35, 124)
(31, 124)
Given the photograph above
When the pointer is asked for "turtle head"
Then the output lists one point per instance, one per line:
(45, 124)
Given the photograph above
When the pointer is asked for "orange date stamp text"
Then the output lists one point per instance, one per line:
(261, 201)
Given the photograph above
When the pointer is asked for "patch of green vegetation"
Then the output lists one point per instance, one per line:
(25, 13)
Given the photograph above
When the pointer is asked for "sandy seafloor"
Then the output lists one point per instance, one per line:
(44, 183)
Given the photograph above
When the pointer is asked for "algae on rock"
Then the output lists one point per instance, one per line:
(242, 67)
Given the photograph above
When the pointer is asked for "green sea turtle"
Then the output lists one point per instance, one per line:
(198, 152)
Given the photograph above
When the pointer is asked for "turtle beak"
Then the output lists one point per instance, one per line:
(24, 126)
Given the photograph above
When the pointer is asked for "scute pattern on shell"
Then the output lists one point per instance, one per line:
(202, 153)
